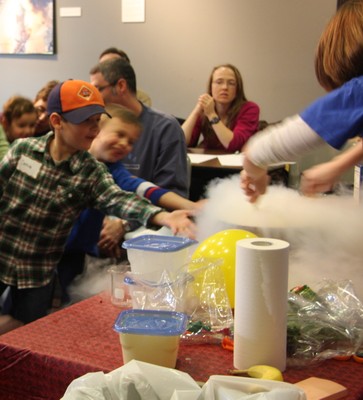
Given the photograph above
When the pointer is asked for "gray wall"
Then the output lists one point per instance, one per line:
(272, 42)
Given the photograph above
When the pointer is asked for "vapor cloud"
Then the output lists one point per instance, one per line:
(325, 233)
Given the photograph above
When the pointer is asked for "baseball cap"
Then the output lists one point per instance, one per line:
(75, 101)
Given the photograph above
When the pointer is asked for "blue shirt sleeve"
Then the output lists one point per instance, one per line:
(124, 179)
(338, 116)
(130, 182)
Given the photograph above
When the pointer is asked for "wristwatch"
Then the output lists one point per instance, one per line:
(214, 120)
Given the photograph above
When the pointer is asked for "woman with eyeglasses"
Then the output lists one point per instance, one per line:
(223, 118)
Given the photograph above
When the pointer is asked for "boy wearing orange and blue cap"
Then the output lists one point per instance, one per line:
(45, 183)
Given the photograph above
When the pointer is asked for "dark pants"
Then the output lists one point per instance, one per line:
(70, 265)
(27, 305)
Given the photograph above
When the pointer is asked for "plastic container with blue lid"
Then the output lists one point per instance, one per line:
(158, 243)
(153, 254)
(151, 322)
(150, 335)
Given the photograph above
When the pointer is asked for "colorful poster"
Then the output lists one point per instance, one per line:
(27, 27)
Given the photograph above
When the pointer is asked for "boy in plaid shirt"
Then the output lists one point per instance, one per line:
(44, 185)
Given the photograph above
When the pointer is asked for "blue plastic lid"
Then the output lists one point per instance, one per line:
(151, 322)
(158, 243)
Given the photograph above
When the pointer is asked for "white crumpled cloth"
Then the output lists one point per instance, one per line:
(138, 380)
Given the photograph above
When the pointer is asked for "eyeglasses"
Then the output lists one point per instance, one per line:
(221, 82)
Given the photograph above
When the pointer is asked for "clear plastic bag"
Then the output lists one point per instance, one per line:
(211, 317)
(168, 293)
(139, 380)
(198, 290)
(323, 323)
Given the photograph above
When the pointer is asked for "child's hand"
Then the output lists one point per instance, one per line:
(110, 237)
(178, 221)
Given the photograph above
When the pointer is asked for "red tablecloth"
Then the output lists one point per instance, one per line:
(39, 360)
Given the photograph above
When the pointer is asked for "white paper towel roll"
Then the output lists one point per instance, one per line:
(260, 303)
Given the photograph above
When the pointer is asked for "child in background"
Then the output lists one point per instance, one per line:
(115, 140)
(40, 103)
(18, 120)
(45, 183)
(333, 118)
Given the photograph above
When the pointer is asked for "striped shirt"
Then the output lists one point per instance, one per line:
(40, 200)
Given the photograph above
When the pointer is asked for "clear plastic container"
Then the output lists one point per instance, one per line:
(153, 254)
(120, 291)
(151, 336)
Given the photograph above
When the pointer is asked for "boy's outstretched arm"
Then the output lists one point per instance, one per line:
(178, 221)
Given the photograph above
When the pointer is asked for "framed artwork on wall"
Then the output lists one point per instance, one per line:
(27, 27)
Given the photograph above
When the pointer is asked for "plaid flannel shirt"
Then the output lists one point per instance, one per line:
(40, 200)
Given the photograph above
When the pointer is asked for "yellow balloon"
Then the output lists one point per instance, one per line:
(222, 245)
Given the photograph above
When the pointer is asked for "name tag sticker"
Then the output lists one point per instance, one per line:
(28, 166)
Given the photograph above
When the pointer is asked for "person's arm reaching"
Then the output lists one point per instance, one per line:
(282, 142)
(321, 178)
(172, 201)
(178, 221)
(113, 229)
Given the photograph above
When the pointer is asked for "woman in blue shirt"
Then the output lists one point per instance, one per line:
(334, 118)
